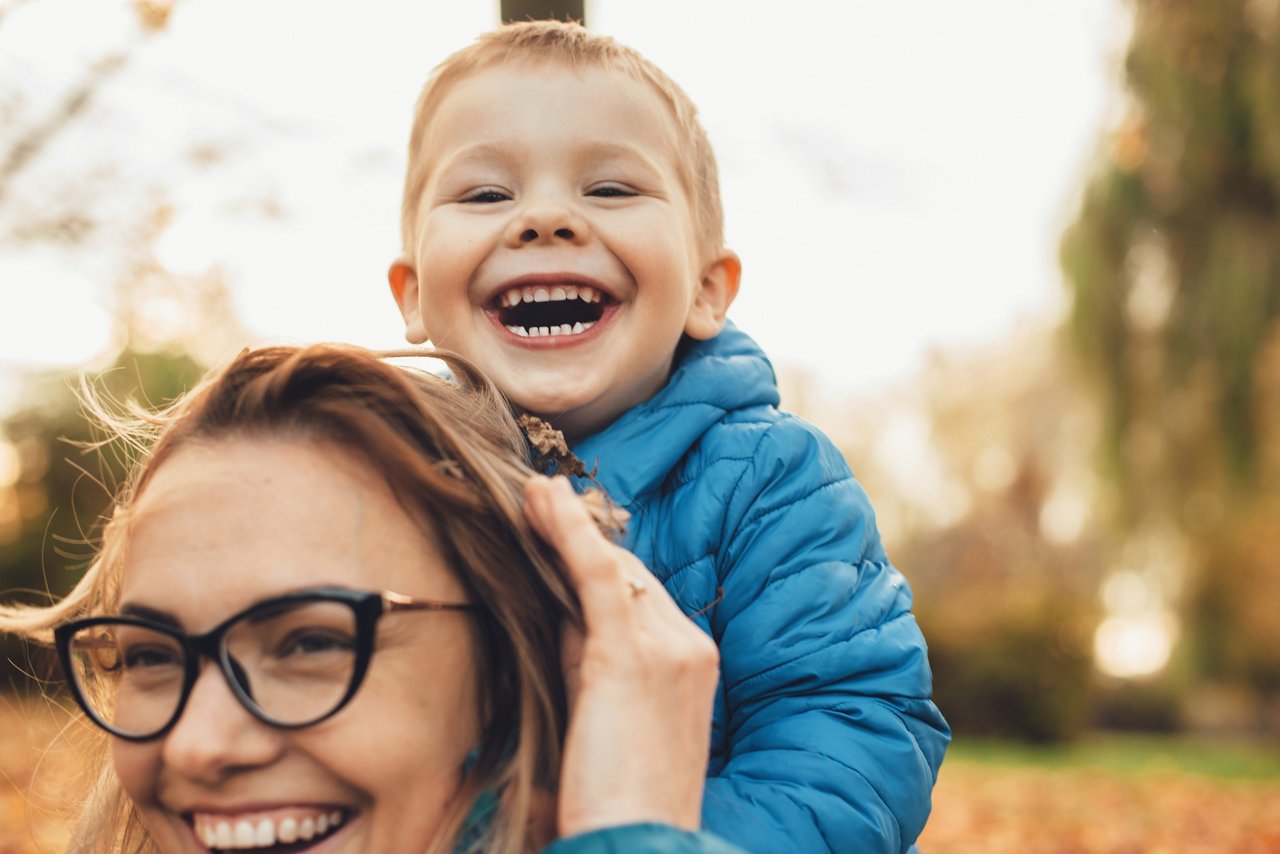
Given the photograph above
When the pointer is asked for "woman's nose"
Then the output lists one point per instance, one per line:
(547, 222)
(216, 736)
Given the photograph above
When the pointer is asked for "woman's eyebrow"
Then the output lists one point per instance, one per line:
(129, 609)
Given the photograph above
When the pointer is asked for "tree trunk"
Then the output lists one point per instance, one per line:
(541, 10)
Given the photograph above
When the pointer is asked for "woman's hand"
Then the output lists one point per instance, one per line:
(641, 681)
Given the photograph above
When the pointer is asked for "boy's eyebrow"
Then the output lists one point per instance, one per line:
(597, 150)
(482, 151)
(606, 150)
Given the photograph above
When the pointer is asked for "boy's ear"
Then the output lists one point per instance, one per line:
(404, 287)
(715, 294)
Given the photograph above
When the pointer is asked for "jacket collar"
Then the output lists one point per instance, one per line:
(710, 378)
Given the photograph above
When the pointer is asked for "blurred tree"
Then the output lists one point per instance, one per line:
(540, 10)
(979, 474)
(1174, 267)
(168, 327)
(28, 143)
(51, 513)
(1174, 260)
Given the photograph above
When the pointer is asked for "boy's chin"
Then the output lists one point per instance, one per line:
(583, 411)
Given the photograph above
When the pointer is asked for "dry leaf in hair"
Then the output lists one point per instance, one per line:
(550, 446)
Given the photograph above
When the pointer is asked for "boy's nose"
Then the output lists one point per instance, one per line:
(547, 224)
(529, 235)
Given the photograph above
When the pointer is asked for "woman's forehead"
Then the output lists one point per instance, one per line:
(227, 523)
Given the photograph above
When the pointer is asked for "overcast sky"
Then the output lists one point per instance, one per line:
(895, 175)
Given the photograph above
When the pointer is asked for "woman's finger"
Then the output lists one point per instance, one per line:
(643, 675)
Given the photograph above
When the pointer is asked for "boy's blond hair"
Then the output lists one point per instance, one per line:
(574, 46)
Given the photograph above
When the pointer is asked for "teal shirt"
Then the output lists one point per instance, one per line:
(642, 839)
(649, 838)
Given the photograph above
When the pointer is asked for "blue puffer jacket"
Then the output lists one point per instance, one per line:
(824, 735)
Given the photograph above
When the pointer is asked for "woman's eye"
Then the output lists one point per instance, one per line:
(486, 196)
(315, 642)
(610, 191)
(138, 657)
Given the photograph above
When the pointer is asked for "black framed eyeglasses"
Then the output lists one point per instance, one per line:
(292, 661)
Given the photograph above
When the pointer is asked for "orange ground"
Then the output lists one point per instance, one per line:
(978, 807)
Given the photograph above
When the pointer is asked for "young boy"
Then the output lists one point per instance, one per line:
(562, 229)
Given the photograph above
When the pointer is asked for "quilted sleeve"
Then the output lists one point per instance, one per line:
(833, 742)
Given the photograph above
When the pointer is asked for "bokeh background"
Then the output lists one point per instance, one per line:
(1021, 260)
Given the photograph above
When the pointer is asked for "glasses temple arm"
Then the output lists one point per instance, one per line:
(400, 602)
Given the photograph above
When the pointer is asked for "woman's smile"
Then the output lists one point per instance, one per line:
(249, 829)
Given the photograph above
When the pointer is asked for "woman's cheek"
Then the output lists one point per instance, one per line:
(137, 766)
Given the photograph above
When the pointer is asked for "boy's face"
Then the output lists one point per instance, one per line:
(555, 245)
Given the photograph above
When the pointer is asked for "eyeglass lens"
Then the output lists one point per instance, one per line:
(295, 663)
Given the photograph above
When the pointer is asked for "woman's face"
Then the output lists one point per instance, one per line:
(224, 525)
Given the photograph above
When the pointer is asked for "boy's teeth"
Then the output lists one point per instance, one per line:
(515, 296)
(562, 329)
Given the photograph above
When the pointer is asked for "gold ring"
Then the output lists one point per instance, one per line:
(637, 588)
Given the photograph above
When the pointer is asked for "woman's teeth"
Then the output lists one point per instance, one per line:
(226, 833)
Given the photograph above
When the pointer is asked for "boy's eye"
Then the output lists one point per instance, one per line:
(485, 196)
(609, 191)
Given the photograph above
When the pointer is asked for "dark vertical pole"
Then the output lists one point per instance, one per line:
(541, 10)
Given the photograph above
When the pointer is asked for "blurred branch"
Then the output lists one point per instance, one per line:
(153, 16)
(11, 7)
(29, 146)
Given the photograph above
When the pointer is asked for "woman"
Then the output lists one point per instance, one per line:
(321, 618)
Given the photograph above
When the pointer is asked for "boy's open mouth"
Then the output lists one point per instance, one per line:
(533, 311)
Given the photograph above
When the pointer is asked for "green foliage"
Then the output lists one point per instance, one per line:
(1024, 673)
(64, 489)
(1187, 197)
(1174, 268)
(1139, 705)
(1138, 755)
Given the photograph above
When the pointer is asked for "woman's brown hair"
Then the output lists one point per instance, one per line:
(456, 460)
